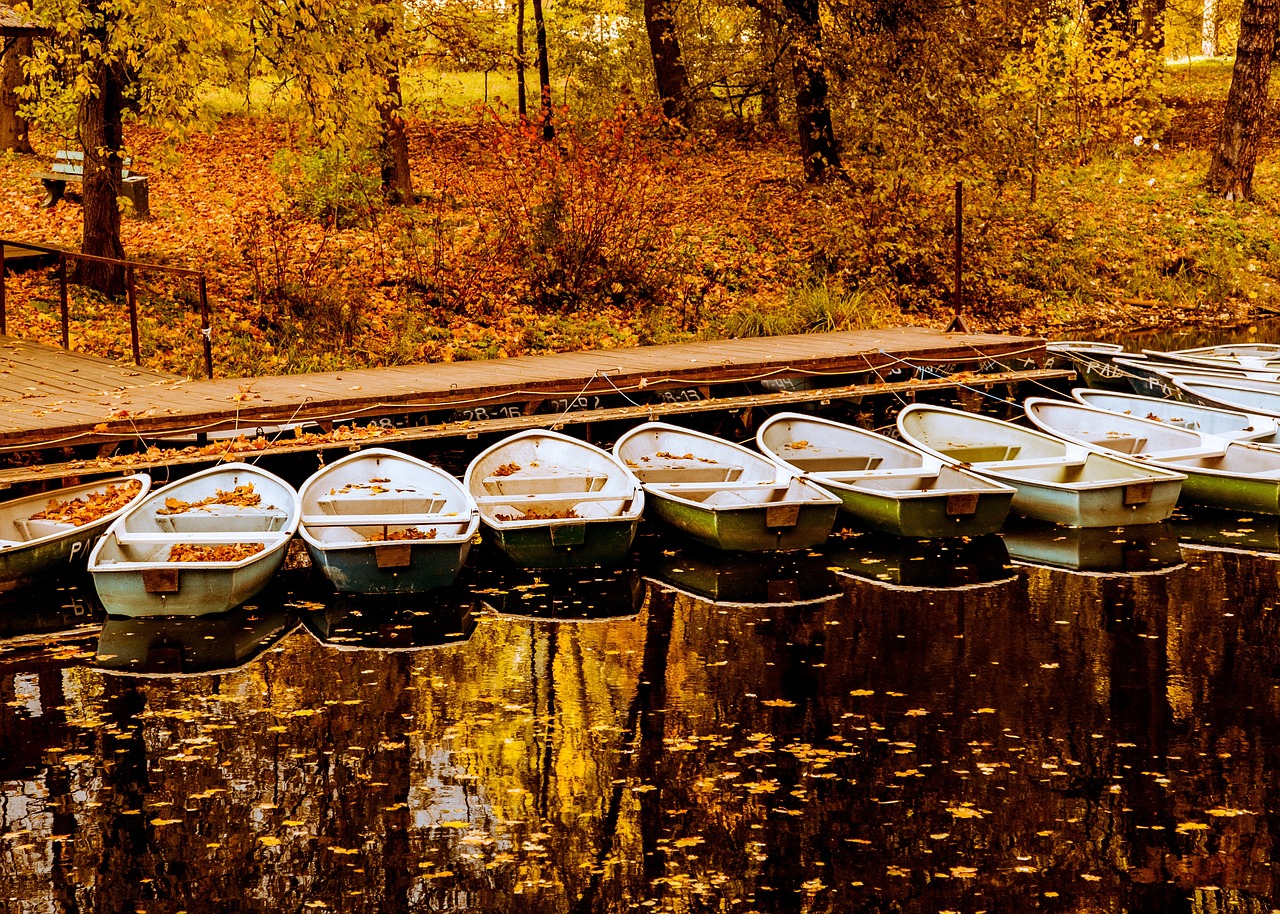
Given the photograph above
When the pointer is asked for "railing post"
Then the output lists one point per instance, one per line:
(66, 312)
(133, 314)
(205, 330)
(2, 305)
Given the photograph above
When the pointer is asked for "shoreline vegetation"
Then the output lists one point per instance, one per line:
(623, 232)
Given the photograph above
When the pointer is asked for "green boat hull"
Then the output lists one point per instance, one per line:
(927, 517)
(27, 564)
(357, 570)
(567, 545)
(747, 529)
(1238, 493)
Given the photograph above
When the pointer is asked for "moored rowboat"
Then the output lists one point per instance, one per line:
(1222, 473)
(379, 521)
(722, 494)
(552, 501)
(885, 484)
(45, 534)
(1057, 481)
(199, 546)
(1225, 423)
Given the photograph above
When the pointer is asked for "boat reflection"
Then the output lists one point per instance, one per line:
(44, 609)
(1139, 549)
(190, 645)
(574, 595)
(914, 564)
(742, 579)
(392, 622)
(1229, 531)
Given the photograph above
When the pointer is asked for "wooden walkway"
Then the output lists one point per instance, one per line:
(33, 370)
(17, 259)
(59, 399)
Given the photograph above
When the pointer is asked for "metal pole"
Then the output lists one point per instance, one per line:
(959, 242)
(133, 314)
(66, 313)
(2, 306)
(205, 330)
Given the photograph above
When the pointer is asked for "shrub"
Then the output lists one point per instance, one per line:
(591, 217)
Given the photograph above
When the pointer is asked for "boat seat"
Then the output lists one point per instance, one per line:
(840, 476)
(225, 538)
(516, 501)
(1030, 463)
(981, 453)
(688, 471)
(531, 484)
(1189, 453)
(401, 500)
(1122, 444)
(714, 486)
(842, 461)
(255, 520)
(383, 520)
(33, 528)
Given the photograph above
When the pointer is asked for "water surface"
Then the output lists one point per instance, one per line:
(876, 727)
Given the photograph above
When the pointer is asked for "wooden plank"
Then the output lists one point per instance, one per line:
(474, 429)
(359, 393)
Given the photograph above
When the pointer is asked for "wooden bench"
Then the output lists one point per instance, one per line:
(68, 165)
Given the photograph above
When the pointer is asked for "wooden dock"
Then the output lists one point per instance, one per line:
(467, 398)
(17, 259)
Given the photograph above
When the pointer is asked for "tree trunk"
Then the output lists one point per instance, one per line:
(1153, 24)
(13, 128)
(544, 70)
(1231, 171)
(818, 149)
(771, 47)
(522, 101)
(670, 75)
(101, 137)
(1209, 29)
(397, 181)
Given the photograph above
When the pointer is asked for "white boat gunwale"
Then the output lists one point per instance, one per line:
(1074, 454)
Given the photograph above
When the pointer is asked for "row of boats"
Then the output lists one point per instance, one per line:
(380, 521)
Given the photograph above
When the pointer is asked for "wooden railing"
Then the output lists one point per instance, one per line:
(130, 269)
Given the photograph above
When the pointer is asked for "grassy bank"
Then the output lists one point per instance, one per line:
(625, 236)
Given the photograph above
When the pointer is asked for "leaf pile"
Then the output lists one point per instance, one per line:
(239, 497)
(81, 511)
(535, 514)
(507, 469)
(225, 552)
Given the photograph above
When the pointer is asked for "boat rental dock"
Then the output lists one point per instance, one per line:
(56, 400)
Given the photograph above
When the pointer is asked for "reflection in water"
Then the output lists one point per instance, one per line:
(1063, 742)
(913, 564)
(393, 622)
(1139, 549)
(740, 579)
(1258, 533)
(568, 595)
(47, 608)
(154, 645)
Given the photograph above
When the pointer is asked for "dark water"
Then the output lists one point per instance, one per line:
(878, 727)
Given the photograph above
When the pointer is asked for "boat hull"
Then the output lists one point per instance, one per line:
(574, 544)
(1110, 506)
(196, 591)
(417, 566)
(1237, 493)
(926, 516)
(40, 561)
(748, 529)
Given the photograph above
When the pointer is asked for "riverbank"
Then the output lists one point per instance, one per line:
(621, 235)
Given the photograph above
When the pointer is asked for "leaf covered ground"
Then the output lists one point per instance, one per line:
(620, 234)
